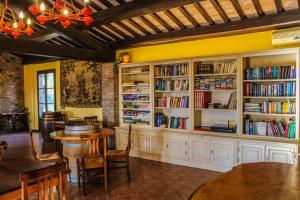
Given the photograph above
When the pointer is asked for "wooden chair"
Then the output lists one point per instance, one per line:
(91, 119)
(120, 157)
(1, 151)
(45, 179)
(92, 160)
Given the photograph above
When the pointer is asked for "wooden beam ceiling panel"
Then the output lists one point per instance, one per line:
(266, 22)
(127, 28)
(149, 24)
(258, 7)
(163, 22)
(238, 9)
(136, 9)
(186, 14)
(41, 36)
(219, 9)
(135, 24)
(175, 19)
(43, 49)
(116, 30)
(202, 11)
(278, 5)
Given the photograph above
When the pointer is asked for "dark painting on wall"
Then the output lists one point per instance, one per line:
(81, 84)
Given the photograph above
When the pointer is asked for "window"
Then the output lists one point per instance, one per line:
(46, 92)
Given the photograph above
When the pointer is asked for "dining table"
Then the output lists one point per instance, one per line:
(10, 186)
(253, 181)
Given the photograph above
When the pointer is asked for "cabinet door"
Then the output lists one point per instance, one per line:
(176, 147)
(139, 141)
(222, 153)
(280, 154)
(251, 153)
(121, 139)
(156, 142)
(199, 150)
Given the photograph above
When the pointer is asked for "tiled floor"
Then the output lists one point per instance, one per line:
(150, 180)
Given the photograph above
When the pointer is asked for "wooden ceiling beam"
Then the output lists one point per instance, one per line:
(258, 7)
(149, 24)
(279, 6)
(163, 22)
(220, 10)
(185, 13)
(127, 28)
(135, 9)
(41, 36)
(238, 9)
(263, 23)
(138, 26)
(175, 19)
(204, 14)
(42, 49)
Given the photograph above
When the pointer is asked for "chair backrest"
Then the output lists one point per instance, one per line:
(129, 140)
(45, 180)
(91, 119)
(92, 140)
(36, 141)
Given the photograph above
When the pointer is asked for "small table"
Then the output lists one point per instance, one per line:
(255, 181)
(71, 147)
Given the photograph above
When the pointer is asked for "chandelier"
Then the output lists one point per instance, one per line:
(62, 13)
(15, 28)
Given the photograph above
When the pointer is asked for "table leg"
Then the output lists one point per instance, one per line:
(105, 163)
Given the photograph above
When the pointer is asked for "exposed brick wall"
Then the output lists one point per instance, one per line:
(11, 82)
(110, 92)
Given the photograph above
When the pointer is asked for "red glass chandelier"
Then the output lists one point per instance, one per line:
(60, 12)
(15, 28)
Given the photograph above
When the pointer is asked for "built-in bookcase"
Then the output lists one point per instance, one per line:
(256, 90)
(216, 94)
(135, 94)
(271, 94)
(172, 95)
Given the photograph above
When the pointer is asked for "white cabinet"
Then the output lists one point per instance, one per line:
(199, 149)
(139, 141)
(250, 152)
(121, 139)
(176, 147)
(156, 142)
(283, 154)
(223, 152)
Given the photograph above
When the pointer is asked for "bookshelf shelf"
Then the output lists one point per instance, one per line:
(136, 109)
(229, 90)
(173, 91)
(171, 108)
(135, 101)
(135, 93)
(162, 77)
(268, 138)
(269, 114)
(138, 85)
(270, 80)
(136, 73)
(216, 110)
(224, 74)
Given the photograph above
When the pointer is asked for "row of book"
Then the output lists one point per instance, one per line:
(136, 90)
(202, 83)
(137, 69)
(271, 107)
(139, 98)
(172, 102)
(130, 113)
(171, 122)
(139, 106)
(275, 72)
(202, 99)
(171, 70)
(270, 89)
(217, 68)
(172, 85)
(270, 128)
(141, 121)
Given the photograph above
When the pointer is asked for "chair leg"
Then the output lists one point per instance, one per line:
(68, 167)
(128, 170)
(83, 183)
(78, 174)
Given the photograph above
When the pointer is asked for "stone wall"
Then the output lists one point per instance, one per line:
(110, 93)
(11, 82)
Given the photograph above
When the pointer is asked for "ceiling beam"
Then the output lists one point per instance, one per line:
(266, 22)
(41, 36)
(136, 9)
(42, 49)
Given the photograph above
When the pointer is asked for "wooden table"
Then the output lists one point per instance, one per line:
(255, 181)
(71, 147)
(10, 187)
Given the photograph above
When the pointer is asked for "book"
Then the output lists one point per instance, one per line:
(268, 72)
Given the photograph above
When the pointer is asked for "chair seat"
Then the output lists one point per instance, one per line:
(48, 156)
(117, 153)
(93, 162)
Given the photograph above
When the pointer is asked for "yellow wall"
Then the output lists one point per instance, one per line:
(30, 94)
(205, 47)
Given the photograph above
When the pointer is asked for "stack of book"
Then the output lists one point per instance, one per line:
(252, 107)
(218, 68)
(210, 83)
(171, 70)
(270, 89)
(139, 106)
(178, 122)
(202, 99)
(172, 85)
(270, 128)
(173, 102)
(275, 72)
(136, 90)
(136, 98)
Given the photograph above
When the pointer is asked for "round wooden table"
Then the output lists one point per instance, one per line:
(255, 181)
(71, 147)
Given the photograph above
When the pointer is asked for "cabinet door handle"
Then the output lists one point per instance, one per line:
(167, 146)
(212, 151)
